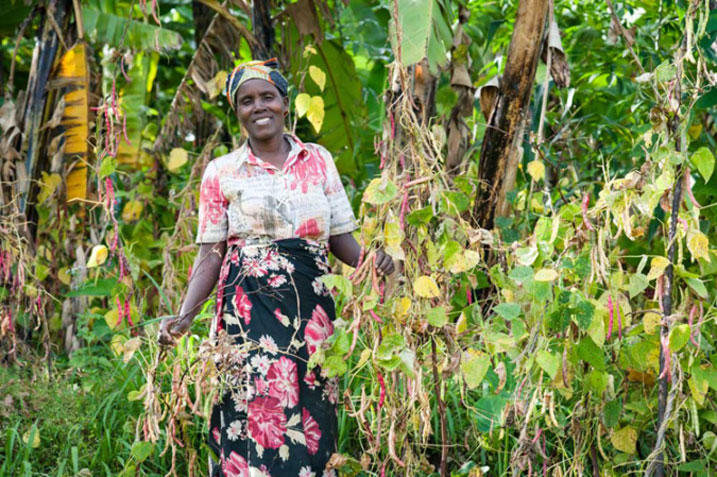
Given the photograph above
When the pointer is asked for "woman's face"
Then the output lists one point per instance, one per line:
(261, 109)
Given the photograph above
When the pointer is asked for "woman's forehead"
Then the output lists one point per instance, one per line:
(256, 85)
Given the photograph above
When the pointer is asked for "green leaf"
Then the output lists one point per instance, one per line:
(437, 316)
(103, 287)
(638, 284)
(474, 367)
(597, 381)
(334, 366)
(611, 413)
(122, 32)
(339, 282)
(424, 32)
(699, 287)
(550, 362)
(589, 352)
(584, 312)
(454, 202)
(521, 274)
(508, 311)
(420, 216)
(679, 336)
(704, 161)
(108, 166)
(141, 450)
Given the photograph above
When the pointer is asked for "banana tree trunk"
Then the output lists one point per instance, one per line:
(39, 102)
(502, 137)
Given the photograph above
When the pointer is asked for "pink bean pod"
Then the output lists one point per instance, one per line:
(610, 313)
(584, 208)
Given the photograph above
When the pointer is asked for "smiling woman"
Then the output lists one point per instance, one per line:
(269, 213)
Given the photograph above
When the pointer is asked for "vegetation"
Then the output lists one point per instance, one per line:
(542, 170)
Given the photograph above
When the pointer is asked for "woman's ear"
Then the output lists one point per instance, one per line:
(286, 106)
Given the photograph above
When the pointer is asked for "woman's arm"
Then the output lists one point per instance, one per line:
(205, 274)
(346, 249)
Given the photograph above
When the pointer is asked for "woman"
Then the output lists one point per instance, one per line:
(268, 212)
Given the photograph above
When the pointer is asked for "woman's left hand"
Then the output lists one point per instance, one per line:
(383, 263)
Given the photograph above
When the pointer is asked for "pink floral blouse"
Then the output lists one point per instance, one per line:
(244, 198)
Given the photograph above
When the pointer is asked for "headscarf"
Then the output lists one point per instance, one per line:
(263, 69)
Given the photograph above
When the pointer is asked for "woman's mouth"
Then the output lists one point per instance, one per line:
(262, 121)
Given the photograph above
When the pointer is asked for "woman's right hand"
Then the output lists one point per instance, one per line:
(172, 328)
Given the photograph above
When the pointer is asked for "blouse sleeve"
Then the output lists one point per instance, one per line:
(342, 216)
(213, 223)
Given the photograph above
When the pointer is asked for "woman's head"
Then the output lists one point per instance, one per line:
(257, 91)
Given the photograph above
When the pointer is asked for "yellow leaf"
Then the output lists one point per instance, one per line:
(315, 113)
(393, 238)
(401, 307)
(462, 323)
(546, 275)
(426, 287)
(177, 158)
(698, 244)
(49, 186)
(365, 355)
(302, 103)
(111, 318)
(35, 438)
(657, 267)
(117, 344)
(318, 76)
(463, 261)
(698, 389)
(651, 322)
(64, 276)
(98, 256)
(536, 169)
(131, 211)
(625, 439)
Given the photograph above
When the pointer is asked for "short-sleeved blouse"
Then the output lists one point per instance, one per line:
(244, 198)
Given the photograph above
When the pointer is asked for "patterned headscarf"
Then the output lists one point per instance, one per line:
(264, 69)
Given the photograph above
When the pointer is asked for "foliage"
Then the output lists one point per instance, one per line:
(532, 346)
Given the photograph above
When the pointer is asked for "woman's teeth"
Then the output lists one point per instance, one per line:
(263, 121)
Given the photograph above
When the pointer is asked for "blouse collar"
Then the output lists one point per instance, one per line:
(298, 151)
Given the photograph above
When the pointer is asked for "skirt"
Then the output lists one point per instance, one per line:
(274, 417)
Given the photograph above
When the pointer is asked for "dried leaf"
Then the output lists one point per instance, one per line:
(657, 267)
(625, 439)
(177, 158)
(698, 244)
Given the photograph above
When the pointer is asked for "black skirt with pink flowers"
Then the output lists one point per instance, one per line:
(275, 418)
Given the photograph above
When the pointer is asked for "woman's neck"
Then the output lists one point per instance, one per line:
(269, 148)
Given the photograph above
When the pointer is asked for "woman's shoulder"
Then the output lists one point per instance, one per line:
(228, 161)
(311, 147)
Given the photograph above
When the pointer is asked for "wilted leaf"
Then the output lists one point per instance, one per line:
(536, 169)
(318, 76)
(462, 261)
(177, 158)
(49, 186)
(625, 439)
(426, 287)
(526, 255)
(97, 256)
(302, 103)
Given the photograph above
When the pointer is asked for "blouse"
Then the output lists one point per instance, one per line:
(243, 198)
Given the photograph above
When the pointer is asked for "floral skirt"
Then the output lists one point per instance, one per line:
(273, 417)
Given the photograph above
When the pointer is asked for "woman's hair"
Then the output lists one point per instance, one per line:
(264, 69)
